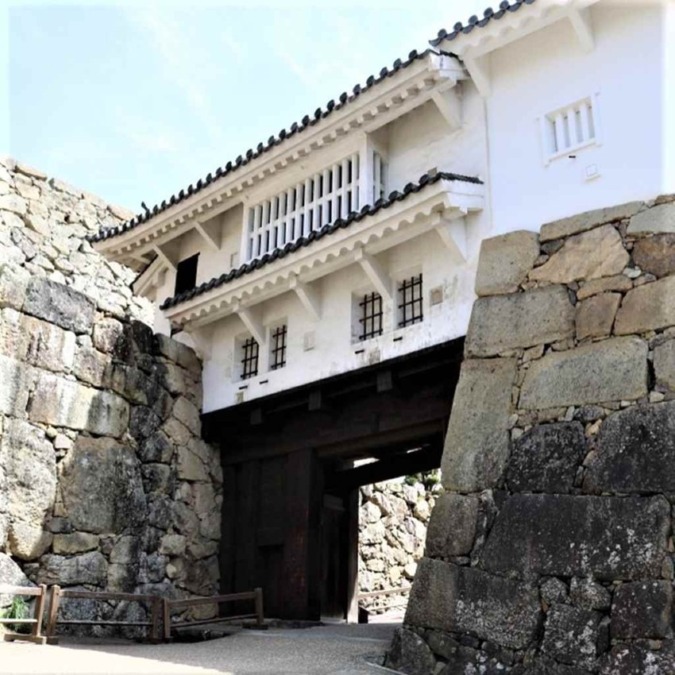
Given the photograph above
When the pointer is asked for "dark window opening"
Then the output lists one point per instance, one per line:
(410, 301)
(249, 363)
(371, 316)
(186, 274)
(278, 352)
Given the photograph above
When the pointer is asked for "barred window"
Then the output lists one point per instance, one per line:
(278, 347)
(371, 316)
(410, 301)
(249, 361)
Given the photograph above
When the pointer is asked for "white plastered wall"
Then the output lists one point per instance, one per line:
(547, 70)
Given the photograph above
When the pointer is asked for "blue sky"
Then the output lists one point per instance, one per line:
(133, 101)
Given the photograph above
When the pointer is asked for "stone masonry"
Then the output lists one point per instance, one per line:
(551, 551)
(393, 520)
(105, 482)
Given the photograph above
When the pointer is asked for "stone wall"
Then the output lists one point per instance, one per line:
(104, 480)
(552, 550)
(393, 520)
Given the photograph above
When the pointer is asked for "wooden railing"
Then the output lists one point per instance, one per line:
(57, 593)
(364, 611)
(39, 593)
(171, 605)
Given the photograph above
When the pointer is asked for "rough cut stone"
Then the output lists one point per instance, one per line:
(77, 542)
(619, 283)
(545, 459)
(589, 594)
(657, 219)
(594, 254)
(13, 286)
(10, 575)
(410, 654)
(28, 541)
(59, 304)
(108, 333)
(89, 568)
(47, 346)
(612, 370)
(595, 316)
(664, 364)
(190, 467)
(519, 320)
(30, 474)
(589, 219)
(178, 353)
(468, 600)
(638, 659)
(452, 528)
(65, 403)
(642, 609)
(559, 535)
(571, 634)
(635, 451)
(505, 262)
(477, 442)
(101, 486)
(16, 379)
(656, 254)
(648, 307)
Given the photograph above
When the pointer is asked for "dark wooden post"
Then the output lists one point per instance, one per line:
(352, 505)
(167, 618)
(54, 602)
(302, 546)
(259, 612)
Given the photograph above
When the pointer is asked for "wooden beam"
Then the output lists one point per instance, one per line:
(308, 296)
(160, 252)
(377, 275)
(210, 241)
(252, 323)
(450, 106)
(478, 69)
(581, 23)
(453, 235)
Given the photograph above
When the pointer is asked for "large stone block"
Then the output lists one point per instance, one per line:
(638, 659)
(635, 451)
(642, 609)
(59, 304)
(664, 364)
(452, 528)
(571, 635)
(101, 486)
(612, 370)
(410, 654)
(656, 254)
(660, 218)
(13, 285)
(508, 322)
(89, 568)
(648, 307)
(46, 345)
(591, 255)
(607, 538)
(477, 442)
(16, 379)
(595, 316)
(546, 458)
(505, 262)
(467, 600)
(65, 403)
(10, 575)
(29, 464)
(178, 353)
(588, 220)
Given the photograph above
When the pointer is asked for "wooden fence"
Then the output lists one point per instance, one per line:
(39, 593)
(171, 605)
(58, 593)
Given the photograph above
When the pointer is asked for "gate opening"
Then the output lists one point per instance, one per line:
(294, 465)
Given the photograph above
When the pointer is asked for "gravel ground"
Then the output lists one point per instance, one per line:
(334, 650)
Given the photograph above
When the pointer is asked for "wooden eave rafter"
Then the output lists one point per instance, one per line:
(475, 47)
(437, 206)
(402, 92)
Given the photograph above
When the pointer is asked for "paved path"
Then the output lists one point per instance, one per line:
(326, 650)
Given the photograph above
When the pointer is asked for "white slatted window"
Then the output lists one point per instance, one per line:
(378, 177)
(570, 128)
(317, 201)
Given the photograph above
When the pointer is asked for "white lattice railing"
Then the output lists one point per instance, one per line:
(320, 199)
